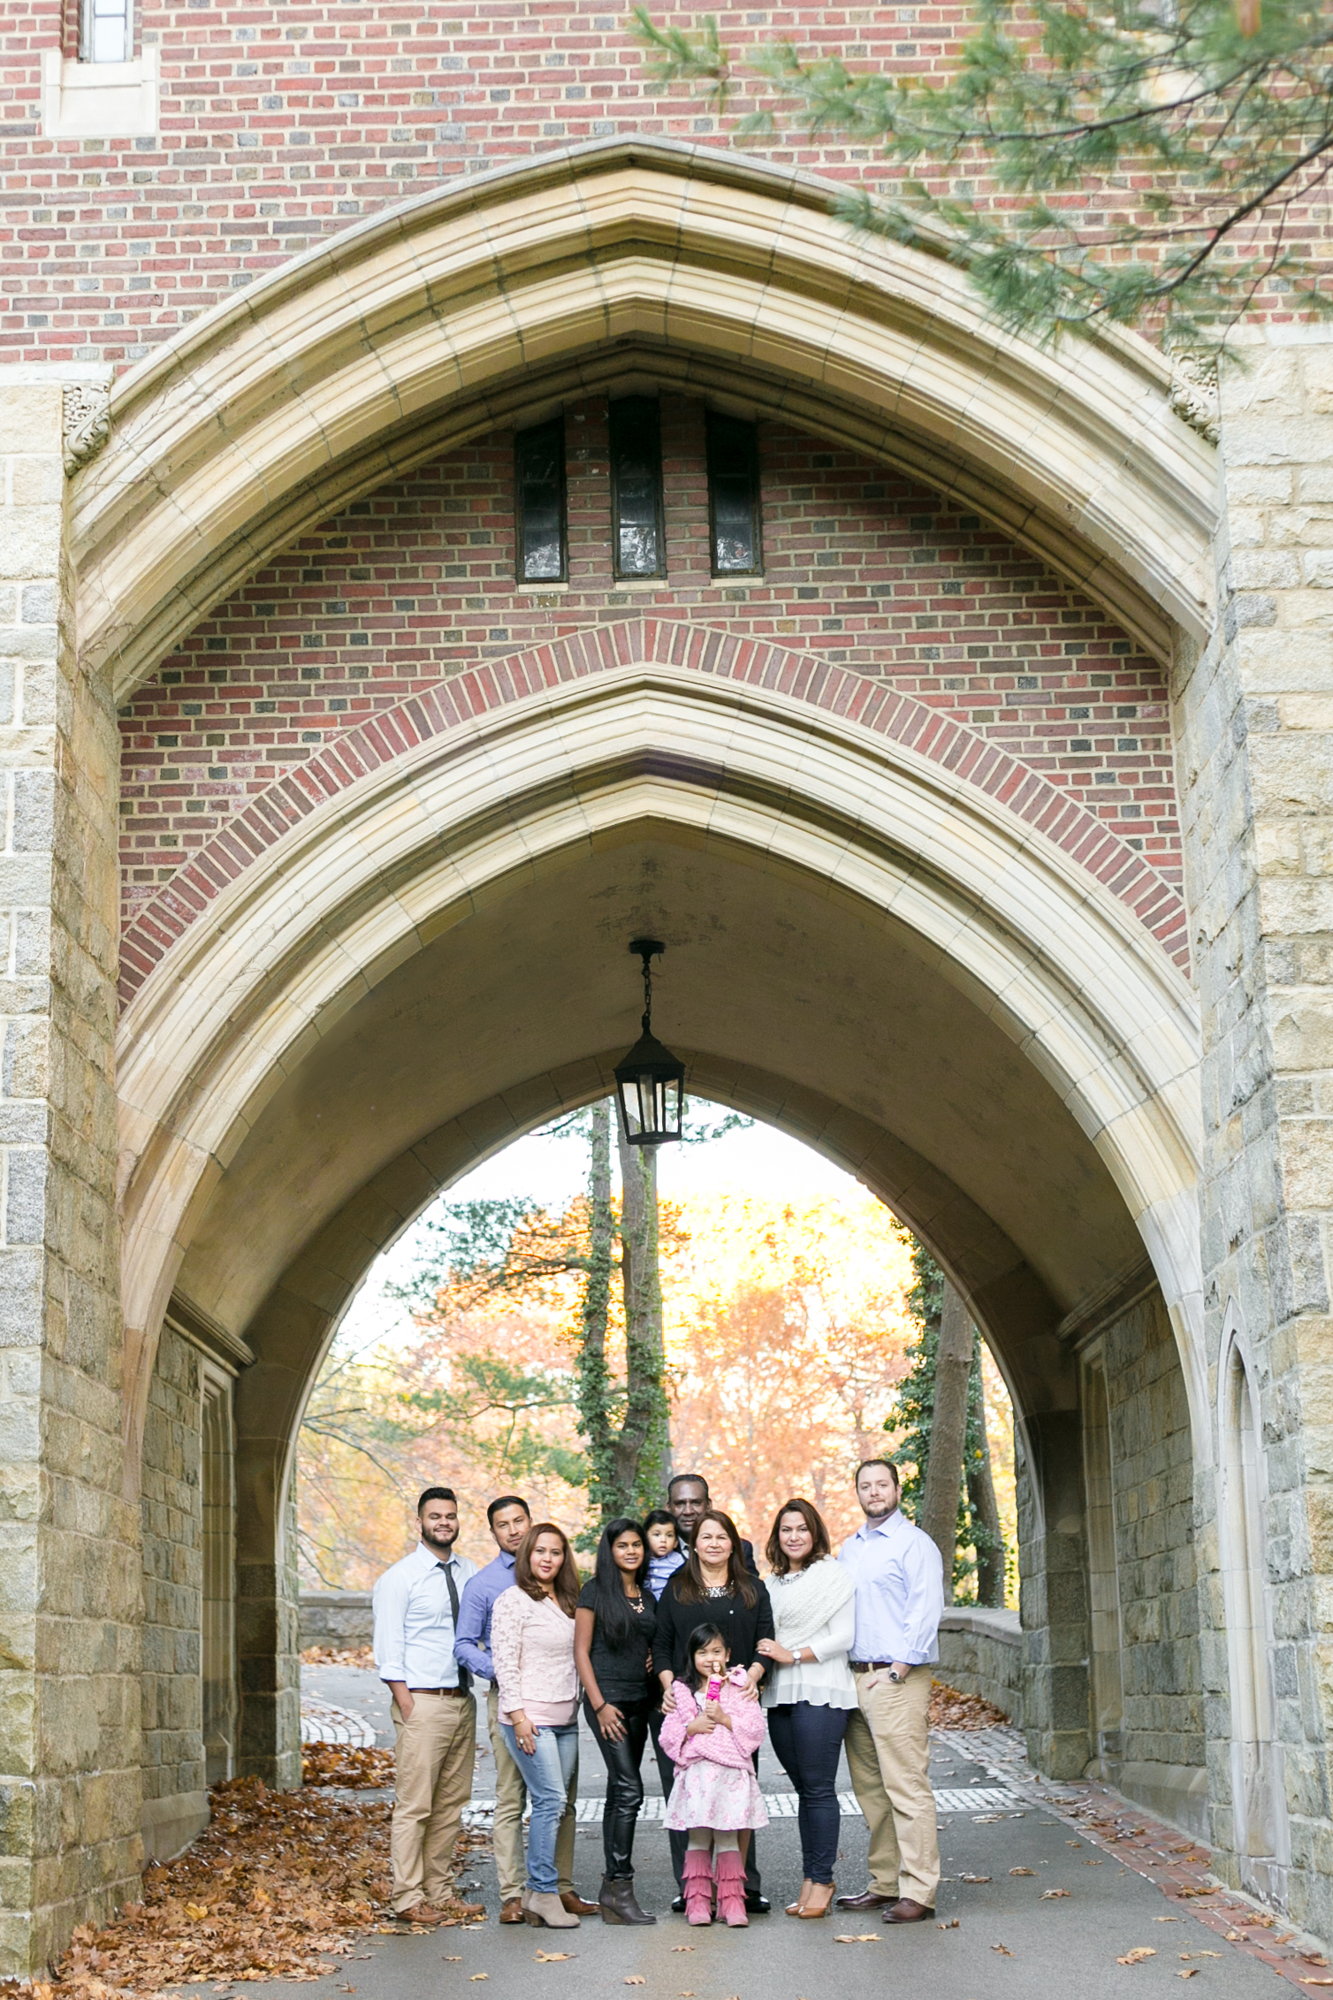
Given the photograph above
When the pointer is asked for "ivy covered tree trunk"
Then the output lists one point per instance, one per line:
(644, 1435)
(594, 1381)
(987, 1532)
(948, 1432)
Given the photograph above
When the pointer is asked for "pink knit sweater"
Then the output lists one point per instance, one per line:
(532, 1645)
(734, 1746)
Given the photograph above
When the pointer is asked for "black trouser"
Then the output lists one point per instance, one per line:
(808, 1742)
(624, 1785)
(666, 1770)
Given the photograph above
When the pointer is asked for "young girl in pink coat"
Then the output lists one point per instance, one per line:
(711, 1736)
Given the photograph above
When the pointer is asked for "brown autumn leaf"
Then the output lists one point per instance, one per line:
(1051, 1895)
(952, 1925)
(860, 1937)
(971, 1878)
(637, 1978)
(1022, 1871)
(346, 1765)
(1314, 1982)
(1190, 1972)
(553, 1957)
(1003, 1950)
(1137, 1955)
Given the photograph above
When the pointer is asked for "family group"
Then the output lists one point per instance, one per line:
(677, 1639)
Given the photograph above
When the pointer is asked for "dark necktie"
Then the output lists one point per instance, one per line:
(464, 1677)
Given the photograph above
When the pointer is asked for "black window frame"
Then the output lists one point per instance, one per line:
(619, 413)
(520, 506)
(715, 420)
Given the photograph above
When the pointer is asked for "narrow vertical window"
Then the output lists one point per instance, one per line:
(106, 31)
(539, 503)
(733, 496)
(636, 487)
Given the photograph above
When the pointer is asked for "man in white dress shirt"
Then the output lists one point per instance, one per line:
(434, 1715)
(899, 1600)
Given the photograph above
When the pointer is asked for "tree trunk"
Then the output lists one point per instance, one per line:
(593, 1379)
(642, 1443)
(981, 1498)
(948, 1433)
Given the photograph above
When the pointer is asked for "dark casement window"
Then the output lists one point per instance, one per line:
(733, 496)
(636, 487)
(539, 503)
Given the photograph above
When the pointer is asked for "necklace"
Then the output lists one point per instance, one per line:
(717, 1590)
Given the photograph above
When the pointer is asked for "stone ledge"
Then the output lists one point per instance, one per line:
(1003, 1626)
(169, 1825)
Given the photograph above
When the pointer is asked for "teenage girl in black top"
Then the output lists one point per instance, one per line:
(615, 1627)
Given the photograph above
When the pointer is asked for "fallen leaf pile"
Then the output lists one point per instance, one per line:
(333, 1656)
(950, 1708)
(280, 1885)
(345, 1764)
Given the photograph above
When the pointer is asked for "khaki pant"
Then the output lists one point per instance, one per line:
(437, 1749)
(888, 1755)
(511, 1800)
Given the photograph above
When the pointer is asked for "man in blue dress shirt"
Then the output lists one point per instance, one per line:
(509, 1522)
(899, 1601)
(434, 1716)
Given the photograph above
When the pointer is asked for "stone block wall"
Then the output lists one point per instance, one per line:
(342, 1618)
(981, 1652)
(175, 1797)
(1152, 1489)
(69, 1557)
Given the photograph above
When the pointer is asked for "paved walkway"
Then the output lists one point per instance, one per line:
(1047, 1890)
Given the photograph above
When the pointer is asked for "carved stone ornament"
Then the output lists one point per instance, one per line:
(87, 424)
(1194, 393)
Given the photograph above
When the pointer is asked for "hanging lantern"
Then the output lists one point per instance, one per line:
(650, 1082)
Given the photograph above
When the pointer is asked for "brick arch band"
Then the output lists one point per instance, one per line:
(830, 689)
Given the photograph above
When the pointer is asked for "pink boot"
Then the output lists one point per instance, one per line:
(731, 1888)
(698, 1885)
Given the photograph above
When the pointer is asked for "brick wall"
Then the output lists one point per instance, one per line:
(863, 569)
(281, 124)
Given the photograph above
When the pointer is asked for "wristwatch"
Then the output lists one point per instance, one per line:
(895, 1677)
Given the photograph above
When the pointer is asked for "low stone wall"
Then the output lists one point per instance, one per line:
(981, 1652)
(341, 1618)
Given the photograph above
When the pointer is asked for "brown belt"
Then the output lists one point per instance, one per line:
(459, 1692)
(869, 1666)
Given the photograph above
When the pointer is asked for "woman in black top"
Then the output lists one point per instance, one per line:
(713, 1588)
(615, 1627)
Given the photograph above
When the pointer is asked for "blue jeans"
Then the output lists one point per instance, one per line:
(808, 1741)
(547, 1774)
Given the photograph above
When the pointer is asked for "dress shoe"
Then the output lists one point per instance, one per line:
(420, 1913)
(758, 1906)
(869, 1899)
(457, 1908)
(905, 1911)
(678, 1906)
(511, 1910)
(576, 1906)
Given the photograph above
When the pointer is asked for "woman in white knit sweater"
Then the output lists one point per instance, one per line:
(812, 1692)
(532, 1645)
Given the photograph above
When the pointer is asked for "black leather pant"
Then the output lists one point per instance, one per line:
(666, 1771)
(624, 1785)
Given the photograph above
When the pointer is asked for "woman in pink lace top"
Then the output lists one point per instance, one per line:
(532, 1645)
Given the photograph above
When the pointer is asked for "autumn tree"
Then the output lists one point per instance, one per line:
(974, 1508)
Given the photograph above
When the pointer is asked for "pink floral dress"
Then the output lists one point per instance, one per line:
(715, 1781)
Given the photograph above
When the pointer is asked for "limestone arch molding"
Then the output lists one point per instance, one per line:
(483, 305)
(451, 829)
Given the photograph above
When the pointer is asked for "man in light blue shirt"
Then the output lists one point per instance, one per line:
(899, 1600)
(509, 1522)
(434, 1716)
